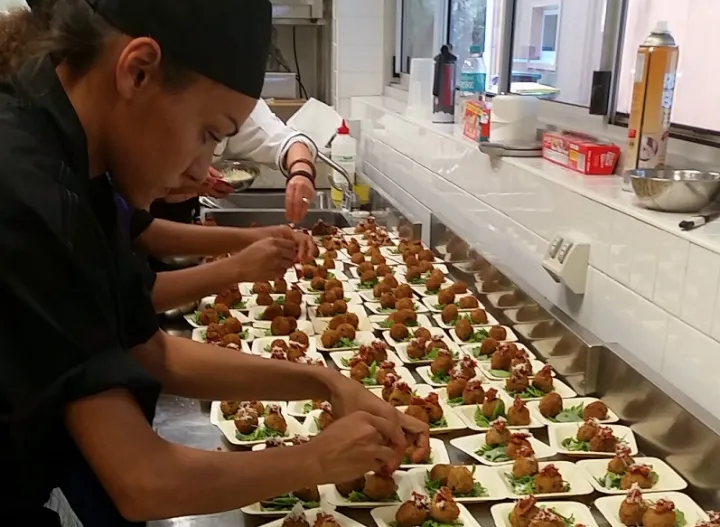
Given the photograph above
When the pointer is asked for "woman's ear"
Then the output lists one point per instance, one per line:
(139, 67)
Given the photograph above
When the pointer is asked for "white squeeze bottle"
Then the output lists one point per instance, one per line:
(343, 151)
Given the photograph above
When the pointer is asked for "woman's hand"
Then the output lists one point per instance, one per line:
(298, 196)
(306, 247)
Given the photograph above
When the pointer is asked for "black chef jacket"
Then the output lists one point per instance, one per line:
(73, 301)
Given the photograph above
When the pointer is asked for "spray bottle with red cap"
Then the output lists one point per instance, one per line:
(343, 151)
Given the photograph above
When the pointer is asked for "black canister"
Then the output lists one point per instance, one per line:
(444, 86)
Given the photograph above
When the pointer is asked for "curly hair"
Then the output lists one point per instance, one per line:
(18, 29)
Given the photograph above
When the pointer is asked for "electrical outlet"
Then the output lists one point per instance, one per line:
(567, 260)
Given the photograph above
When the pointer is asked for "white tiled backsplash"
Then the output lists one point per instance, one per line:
(649, 290)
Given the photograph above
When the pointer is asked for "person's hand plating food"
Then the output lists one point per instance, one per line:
(306, 247)
(300, 190)
(268, 258)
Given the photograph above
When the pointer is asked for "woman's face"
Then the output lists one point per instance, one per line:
(162, 135)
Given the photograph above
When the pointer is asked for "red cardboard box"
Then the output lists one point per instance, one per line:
(585, 154)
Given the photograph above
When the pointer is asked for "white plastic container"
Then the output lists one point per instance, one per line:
(343, 152)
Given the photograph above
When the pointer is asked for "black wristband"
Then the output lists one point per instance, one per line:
(313, 170)
(303, 173)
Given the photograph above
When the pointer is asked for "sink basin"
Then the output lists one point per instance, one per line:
(266, 217)
(270, 200)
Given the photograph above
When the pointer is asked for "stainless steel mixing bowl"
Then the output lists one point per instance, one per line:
(675, 190)
(226, 166)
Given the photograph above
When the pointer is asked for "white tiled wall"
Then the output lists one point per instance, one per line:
(359, 49)
(650, 291)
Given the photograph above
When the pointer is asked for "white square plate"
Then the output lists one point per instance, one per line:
(486, 476)
(256, 509)
(190, 318)
(354, 284)
(217, 417)
(471, 444)
(338, 264)
(571, 474)
(263, 328)
(256, 315)
(259, 345)
(385, 516)
(610, 505)
(454, 423)
(375, 308)
(511, 336)
(198, 335)
(311, 516)
(581, 513)
(350, 298)
(431, 301)
(362, 338)
(568, 403)
(228, 429)
(435, 332)
(209, 301)
(404, 490)
(426, 375)
(341, 358)
(501, 375)
(376, 320)
(403, 373)
(438, 456)
(438, 264)
(467, 414)
(364, 324)
(492, 321)
(473, 351)
(297, 408)
(559, 432)
(668, 480)
(560, 387)
(402, 353)
(251, 301)
(246, 288)
(358, 309)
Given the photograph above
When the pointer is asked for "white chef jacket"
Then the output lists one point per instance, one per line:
(263, 139)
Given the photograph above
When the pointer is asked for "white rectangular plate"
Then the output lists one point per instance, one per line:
(358, 309)
(557, 433)
(376, 320)
(339, 356)
(511, 336)
(668, 479)
(198, 335)
(431, 301)
(435, 332)
(377, 309)
(454, 423)
(403, 373)
(361, 338)
(470, 444)
(263, 328)
(216, 415)
(497, 375)
(492, 321)
(560, 387)
(471, 349)
(385, 516)
(583, 515)
(402, 353)
(426, 375)
(228, 429)
(256, 509)
(438, 456)
(190, 318)
(467, 414)
(350, 298)
(576, 477)
(259, 345)
(486, 476)
(404, 490)
(568, 403)
(256, 315)
(311, 516)
(610, 505)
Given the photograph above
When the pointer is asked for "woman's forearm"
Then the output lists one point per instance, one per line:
(168, 238)
(198, 371)
(149, 478)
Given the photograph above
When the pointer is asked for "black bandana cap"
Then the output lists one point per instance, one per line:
(224, 40)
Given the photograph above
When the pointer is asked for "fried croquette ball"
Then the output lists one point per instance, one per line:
(473, 393)
(425, 267)
(443, 363)
(337, 321)
(246, 421)
(333, 284)
(325, 309)
(379, 487)
(621, 461)
(525, 465)
(660, 514)
(279, 343)
(261, 287)
(449, 313)
(381, 289)
(418, 412)
(464, 330)
(359, 371)
(352, 319)
(318, 284)
(443, 507)
(383, 270)
(368, 277)
(401, 394)
(294, 296)
(498, 434)
(492, 405)
(264, 299)
(387, 301)
(434, 283)
(353, 247)
(347, 488)
(405, 303)
(364, 267)
(640, 475)
(274, 420)
(357, 258)
(233, 339)
(328, 262)
(596, 410)
(280, 286)
(292, 310)
(403, 291)
(488, 346)
(543, 379)
(413, 513)
(321, 272)
(468, 302)
(399, 332)
(377, 259)
(283, 326)
(410, 260)
(229, 407)
(223, 311)
(272, 312)
(551, 405)
(308, 494)
(426, 255)
(460, 480)
(413, 274)
(393, 283)
(478, 316)
(209, 316)
(346, 331)
(232, 325)
(518, 414)
(440, 473)
(416, 349)
(498, 333)
(603, 441)
(446, 297)
(523, 512)
(632, 509)
(422, 333)
(588, 430)
(214, 332)
(459, 288)
(409, 315)
(330, 338)
(308, 271)
(501, 359)
(548, 481)
(517, 382)
(456, 387)
(300, 337)
(517, 443)
(295, 352)
(340, 307)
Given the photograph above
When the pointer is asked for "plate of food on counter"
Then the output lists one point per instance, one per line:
(248, 427)
(371, 490)
(429, 409)
(318, 284)
(389, 304)
(459, 288)
(376, 375)
(301, 409)
(446, 366)
(464, 303)
(230, 297)
(433, 280)
(439, 511)
(556, 479)
(661, 509)
(345, 337)
(318, 419)
(406, 317)
(332, 297)
(293, 352)
(520, 384)
(372, 291)
(263, 345)
(553, 409)
(282, 326)
(424, 348)
(502, 446)
(276, 287)
(481, 416)
(314, 518)
(414, 458)
(468, 483)
(506, 358)
(484, 350)
(549, 513)
(262, 316)
(376, 352)
(406, 334)
(369, 255)
(215, 314)
(618, 475)
(450, 315)
(465, 333)
(327, 310)
(591, 439)
(230, 334)
(221, 411)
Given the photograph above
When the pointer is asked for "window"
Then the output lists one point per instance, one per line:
(8, 4)
(693, 23)
(557, 46)
(418, 28)
(477, 23)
